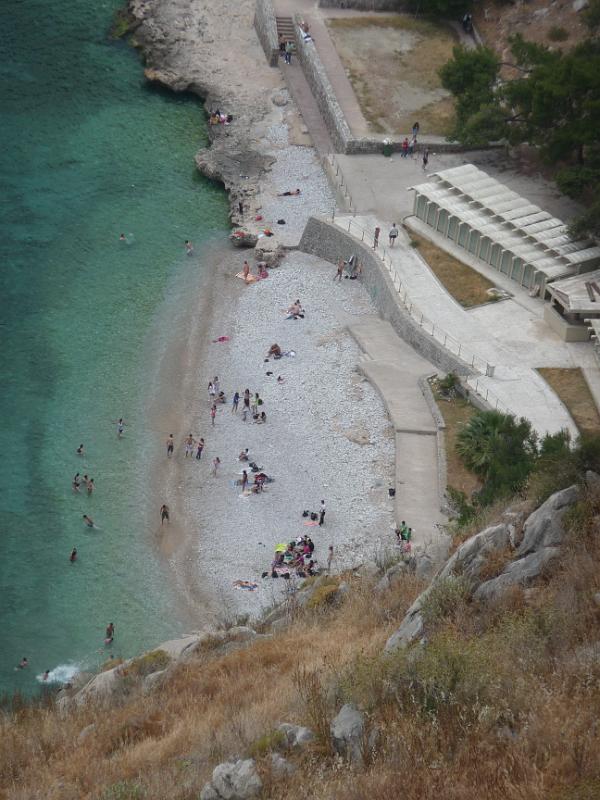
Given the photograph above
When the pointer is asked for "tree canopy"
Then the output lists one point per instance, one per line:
(550, 99)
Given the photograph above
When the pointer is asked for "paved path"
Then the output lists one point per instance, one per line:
(307, 106)
(515, 384)
(394, 369)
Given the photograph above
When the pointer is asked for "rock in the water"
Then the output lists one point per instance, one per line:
(296, 735)
(347, 733)
(544, 527)
(518, 573)
(233, 780)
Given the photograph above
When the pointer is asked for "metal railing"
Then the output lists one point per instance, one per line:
(338, 179)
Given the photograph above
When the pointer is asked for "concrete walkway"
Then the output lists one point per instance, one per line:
(394, 369)
(516, 385)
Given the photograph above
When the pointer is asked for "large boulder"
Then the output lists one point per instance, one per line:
(411, 627)
(296, 735)
(518, 573)
(473, 554)
(233, 780)
(347, 733)
(544, 528)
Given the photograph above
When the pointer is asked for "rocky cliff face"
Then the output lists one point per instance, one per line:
(213, 52)
(528, 547)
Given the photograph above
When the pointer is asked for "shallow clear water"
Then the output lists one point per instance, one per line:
(88, 151)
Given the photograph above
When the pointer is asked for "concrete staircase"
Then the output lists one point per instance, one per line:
(286, 28)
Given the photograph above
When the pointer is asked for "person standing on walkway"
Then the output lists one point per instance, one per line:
(411, 146)
(288, 52)
(393, 234)
(404, 152)
(376, 237)
(425, 158)
(415, 130)
(322, 514)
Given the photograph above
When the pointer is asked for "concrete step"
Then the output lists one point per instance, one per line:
(286, 28)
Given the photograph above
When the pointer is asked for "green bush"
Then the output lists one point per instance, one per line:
(444, 599)
(149, 663)
(124, 790)
(558, 34)
(273, 740)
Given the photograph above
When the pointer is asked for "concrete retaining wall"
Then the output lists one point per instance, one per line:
(266, 29)
(315, 74)
(365, 5)
(329, 242)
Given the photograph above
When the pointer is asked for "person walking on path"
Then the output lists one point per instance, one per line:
(393, 234)
(170, 445)
(235, 403)
(288, 52)
(215, 467)
(340, 270)
(415, 130)
(376, 237)
(199, 449)
(425, 158)
(213, 414)
(322, 514)
(404, 147)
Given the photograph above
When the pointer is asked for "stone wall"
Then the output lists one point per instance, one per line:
(266, 29)
(315, 74)
(364, 5)
(329, 242)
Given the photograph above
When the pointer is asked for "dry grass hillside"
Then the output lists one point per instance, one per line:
(501, 703)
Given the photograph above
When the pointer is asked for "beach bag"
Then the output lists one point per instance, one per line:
(314, 516)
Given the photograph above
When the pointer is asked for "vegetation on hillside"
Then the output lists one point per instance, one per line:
(542, 96)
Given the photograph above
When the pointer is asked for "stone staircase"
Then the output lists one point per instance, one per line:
(285, 28)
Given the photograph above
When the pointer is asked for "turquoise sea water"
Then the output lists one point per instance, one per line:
(88, 151)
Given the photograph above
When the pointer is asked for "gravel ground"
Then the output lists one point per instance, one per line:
(295, 168)
(327, 436)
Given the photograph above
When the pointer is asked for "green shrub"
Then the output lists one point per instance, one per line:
(149, 663)
(323, 596)
(444, 599)
(273, 740)
(123, 790)
(558, 34)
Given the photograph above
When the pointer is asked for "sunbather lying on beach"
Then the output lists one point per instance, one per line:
(275, 351)
(289, 194)
(295, 310)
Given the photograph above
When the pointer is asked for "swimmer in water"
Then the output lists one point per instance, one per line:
(73, 556)
(122, 238)
(76, 482)
(23, 663)
(88, 521)
(109, 633)
(90, 486)
(189, 247)
(164, 514)
(120, 427)
(79, 450)
(46, 675)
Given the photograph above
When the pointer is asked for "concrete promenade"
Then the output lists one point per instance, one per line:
(516, 385)
(394, 368)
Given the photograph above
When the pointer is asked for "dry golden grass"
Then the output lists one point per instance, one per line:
(502, 703)
(572, 388)
(467, 286)
(456, 413)
(392, 62)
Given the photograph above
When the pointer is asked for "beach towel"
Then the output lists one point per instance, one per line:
(311, 523)
(249, 585)
(249, 279)
(221, 339)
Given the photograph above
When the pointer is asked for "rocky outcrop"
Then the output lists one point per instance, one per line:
(189, 47)
(543, 533)
(233, 780)
(295, 735)
(347, 733)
